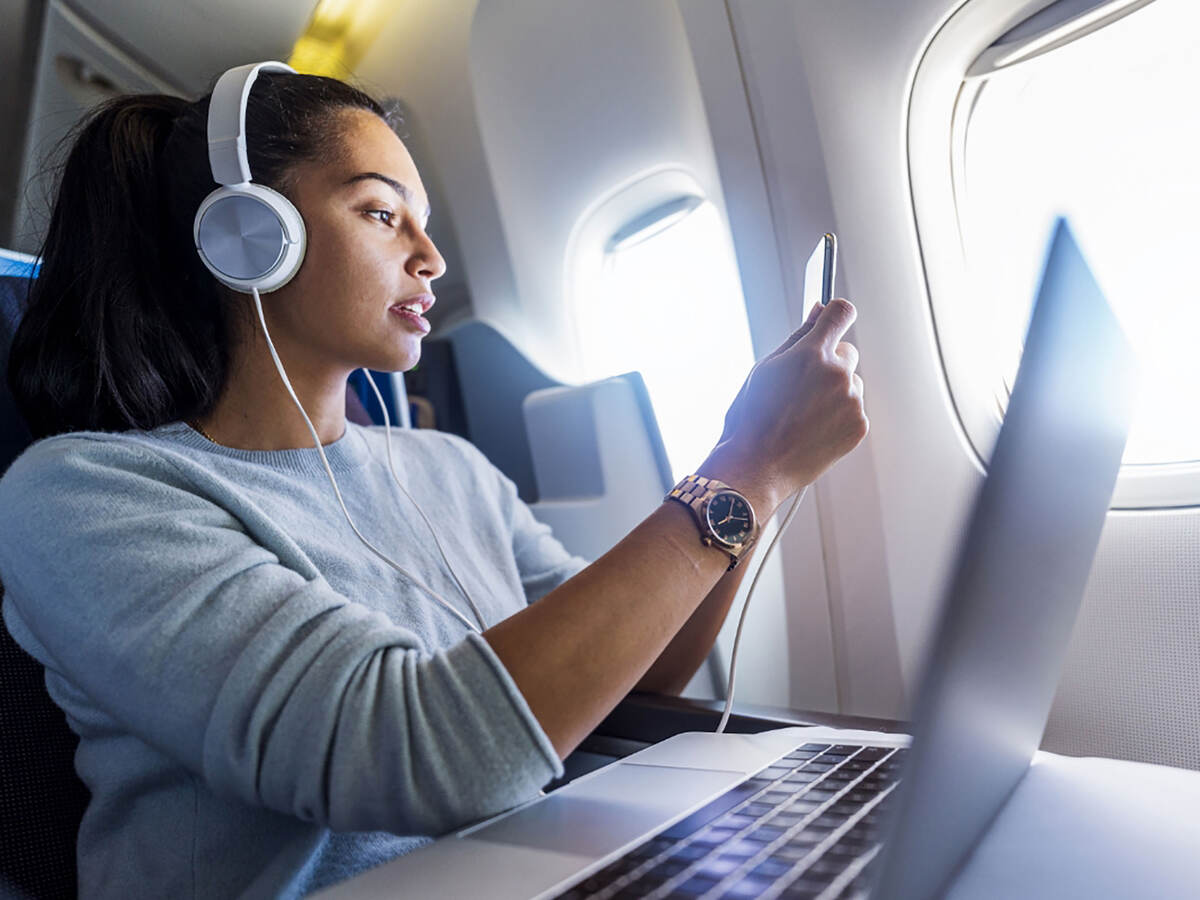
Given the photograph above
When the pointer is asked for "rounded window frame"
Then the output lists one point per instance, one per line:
(588, 243)
(945, 84)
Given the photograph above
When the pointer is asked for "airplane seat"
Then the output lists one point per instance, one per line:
(16, 272)
(590, 460)
(360, 398)
(477, 380)
(598, 459)
(41, 798)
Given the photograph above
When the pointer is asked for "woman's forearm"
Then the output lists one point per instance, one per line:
(580, 649)
(676, 665)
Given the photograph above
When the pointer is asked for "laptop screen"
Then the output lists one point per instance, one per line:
(1007, 615)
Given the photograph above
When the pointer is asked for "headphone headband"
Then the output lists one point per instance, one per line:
(227, 121)
(249, 236)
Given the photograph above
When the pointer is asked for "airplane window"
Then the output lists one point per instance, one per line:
(1104, 130)
(666, 301)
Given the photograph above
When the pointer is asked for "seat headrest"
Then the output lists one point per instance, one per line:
(16, 273)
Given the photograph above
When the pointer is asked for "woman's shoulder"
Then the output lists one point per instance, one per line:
(60, 448)
(98, 444)
(52, 464)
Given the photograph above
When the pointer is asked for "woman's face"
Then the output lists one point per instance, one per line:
(367, 254)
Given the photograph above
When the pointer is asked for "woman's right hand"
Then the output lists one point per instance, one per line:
(800, 409)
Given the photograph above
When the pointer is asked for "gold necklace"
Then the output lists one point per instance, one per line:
(196, 424)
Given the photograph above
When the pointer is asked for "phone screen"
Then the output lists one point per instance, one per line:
(819, 274)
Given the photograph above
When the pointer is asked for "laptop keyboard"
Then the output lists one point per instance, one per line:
(805, 827)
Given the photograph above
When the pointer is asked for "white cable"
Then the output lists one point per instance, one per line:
(328, 471)
(387, 436)
(737, 639)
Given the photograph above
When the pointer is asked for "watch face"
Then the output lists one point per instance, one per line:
(730, 518)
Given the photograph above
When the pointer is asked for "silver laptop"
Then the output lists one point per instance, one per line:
(823, 813)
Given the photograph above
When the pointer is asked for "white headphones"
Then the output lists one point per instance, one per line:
(247, 235)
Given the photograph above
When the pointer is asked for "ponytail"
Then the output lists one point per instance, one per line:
(125, 328)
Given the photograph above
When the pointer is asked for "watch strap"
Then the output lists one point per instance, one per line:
(692, 491)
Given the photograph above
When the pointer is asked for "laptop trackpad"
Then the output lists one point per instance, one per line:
(601, 814)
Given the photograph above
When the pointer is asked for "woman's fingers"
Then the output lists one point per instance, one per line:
(833, 323)
(813, 315)
(849, 353)
(833, 320)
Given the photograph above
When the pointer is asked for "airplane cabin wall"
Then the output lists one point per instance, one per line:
(859, 58)
(81, 52)
(1129, 688)
(777, 96)
(574, 99)
(18, 48)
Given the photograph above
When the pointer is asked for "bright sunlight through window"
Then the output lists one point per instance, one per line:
(670, 306)
(1106, 131)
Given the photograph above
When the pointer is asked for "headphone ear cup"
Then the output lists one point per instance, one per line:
(250, 236)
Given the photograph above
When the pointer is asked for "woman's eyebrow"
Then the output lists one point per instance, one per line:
(406, 193)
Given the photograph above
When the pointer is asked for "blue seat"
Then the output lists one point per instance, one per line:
(16, 274)
(490, 380)
(41, 798)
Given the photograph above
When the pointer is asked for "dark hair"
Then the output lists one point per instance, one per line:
(125, 328)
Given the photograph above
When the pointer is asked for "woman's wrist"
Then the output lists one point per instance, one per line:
(742, 472)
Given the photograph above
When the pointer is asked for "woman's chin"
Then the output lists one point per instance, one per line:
(389, 353)
(397, 359)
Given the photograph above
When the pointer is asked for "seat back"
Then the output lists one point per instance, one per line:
(41, 798)
(590, 460)
(16, 273)
(363, 407)
(492, 378)
(598, 459)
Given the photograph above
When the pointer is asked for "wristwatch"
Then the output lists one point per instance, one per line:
(725, 517)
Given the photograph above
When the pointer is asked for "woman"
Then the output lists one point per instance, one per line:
(264, 707)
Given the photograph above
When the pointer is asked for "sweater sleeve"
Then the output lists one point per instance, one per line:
(221, 646)
(543, 563)
(542, 560)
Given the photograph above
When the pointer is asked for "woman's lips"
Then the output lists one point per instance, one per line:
(414, 319)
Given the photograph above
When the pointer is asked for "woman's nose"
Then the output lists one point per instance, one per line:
(426, 262)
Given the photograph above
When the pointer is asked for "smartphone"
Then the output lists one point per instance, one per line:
(820, 273)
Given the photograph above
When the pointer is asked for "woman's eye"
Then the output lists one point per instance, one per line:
(385, 215)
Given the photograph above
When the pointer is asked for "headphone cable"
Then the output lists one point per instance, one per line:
(329, 471)
(387, 436)
(737, 640)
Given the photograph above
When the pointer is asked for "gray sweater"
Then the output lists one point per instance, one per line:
(265, 707)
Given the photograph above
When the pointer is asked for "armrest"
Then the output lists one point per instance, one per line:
(649, 718)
